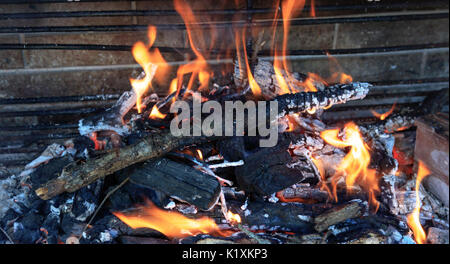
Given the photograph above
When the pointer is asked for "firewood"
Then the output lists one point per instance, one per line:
(79, 174)
(179, 181)
(338, 214)
(271, 170)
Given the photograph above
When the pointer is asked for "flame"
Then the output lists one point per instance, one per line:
(150, 61)
(313, 9)
(233, 218)
(283, 199)
(289, 9)
(98, 144)
(354, 166)
(171, 224)
(384, 115)
(200, 154)
(256, 90)
(198, 67)
(414, 217)
(155, 114)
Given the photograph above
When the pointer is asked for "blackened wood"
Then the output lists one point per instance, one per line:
(269, 170)
(79, 174)
(338, 214)
(179, 181)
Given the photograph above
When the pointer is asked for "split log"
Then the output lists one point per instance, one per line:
(180, 181)
(338, 214)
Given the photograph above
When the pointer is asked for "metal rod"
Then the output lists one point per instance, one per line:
(59, 99)
(259, 23)
(55, 46)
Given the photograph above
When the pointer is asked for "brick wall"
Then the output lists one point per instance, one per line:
(37, 72)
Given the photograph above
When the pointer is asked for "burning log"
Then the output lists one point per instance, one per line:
(179, 181)
(338, 214)
(77, 175)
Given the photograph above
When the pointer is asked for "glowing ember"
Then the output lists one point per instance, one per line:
(384, 115)
(155, 114)
(171, 224)
(414, 217)
(199, 154)
(98, 144)
(354, 166)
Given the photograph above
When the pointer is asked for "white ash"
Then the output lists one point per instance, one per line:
(305, 218)
(266, 215)
(244, 206)
(89, 209)
(13, 192)
(273, 198)
(170, 205)
(187, 209)
(247, 212)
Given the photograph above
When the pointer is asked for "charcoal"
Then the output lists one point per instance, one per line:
(268, 171)
(277, 216)
(48, 171)
(232, 149)
(179, 181)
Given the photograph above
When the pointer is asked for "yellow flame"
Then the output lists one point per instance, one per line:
(156, 114)
(354, 166)
(414, 217)
(171, 224)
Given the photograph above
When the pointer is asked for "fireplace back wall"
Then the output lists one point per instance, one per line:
(62, 60)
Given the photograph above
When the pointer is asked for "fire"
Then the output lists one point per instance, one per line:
(414, 217)
(150, 61)
(171, 224)
(338, 75)
(384, 115)
(198, 68)
(256, 90)
(98, 144)
(354, 166)
(156, 114)
(289, 9)
(233, 218)
(200, 154)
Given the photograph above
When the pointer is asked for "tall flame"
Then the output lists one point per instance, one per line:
(289, 9)
(171, 224)
(150, 61)
(354, 166)
(198, 67)
(414, 217)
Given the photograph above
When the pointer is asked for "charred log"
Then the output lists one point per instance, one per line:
(179, 181)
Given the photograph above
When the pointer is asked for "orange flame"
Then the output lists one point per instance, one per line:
(289, 9)
(256, 90)
(354, 166)
(338, 75)
(200, 154)
(313, 9)
(198, 68)
(149, 61)
(384, 115)
(156, 114)
(414, 217)
(171, 224)
(233, 218)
